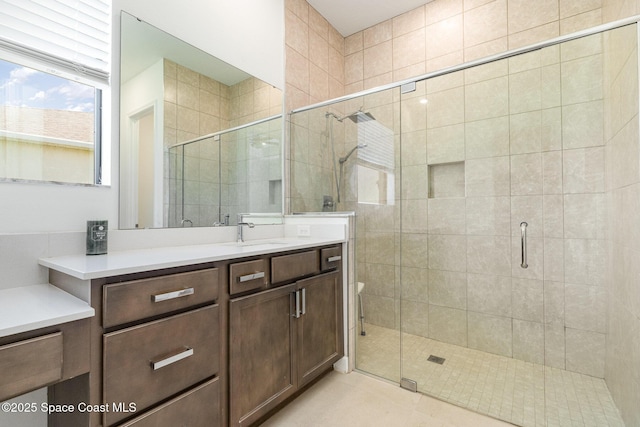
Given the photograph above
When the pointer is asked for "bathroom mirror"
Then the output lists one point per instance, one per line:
(200, 140)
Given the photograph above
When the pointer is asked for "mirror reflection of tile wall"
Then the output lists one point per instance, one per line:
(197, 105)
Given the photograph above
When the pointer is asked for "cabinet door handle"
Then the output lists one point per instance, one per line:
(253, 276)
(188, 351)
(334, 258)
(172, 295)
(297, 309)
(304, 300)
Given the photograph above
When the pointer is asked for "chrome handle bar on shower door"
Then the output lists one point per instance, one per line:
(523, 244)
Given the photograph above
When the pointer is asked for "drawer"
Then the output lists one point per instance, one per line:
(140, 299)
(148, 363)
(248, 276)
(289, 267)
(30, 364)
(199, 407)
(330, 258)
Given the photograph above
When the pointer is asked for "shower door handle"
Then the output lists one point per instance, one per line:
(523, 244)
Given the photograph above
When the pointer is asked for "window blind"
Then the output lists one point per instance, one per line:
(379, 144)
(68, 36)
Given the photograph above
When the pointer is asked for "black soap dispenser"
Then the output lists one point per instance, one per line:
(97, 233)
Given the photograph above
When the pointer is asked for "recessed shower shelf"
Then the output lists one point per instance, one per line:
(446, 180)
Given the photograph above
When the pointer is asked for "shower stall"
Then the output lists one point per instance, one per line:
(485, 203)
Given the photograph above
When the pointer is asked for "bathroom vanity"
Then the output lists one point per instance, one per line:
(285, 333)
(210, 335)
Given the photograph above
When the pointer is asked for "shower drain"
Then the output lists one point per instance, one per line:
(436, 359)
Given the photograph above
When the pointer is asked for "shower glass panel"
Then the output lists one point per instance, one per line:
(251, 170)
(373, 181)
(214, 178)
(345, 157)
(481, 248)
(193, 184)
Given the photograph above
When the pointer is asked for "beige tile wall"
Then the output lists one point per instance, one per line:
(251, 100)
(194, 104)
(314, 56)
(314, 72)
(444, 33)
(622, 202)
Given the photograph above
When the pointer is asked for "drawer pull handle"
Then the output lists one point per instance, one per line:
(172, 359)
(334, 258)
(248, 277)
(173, 295)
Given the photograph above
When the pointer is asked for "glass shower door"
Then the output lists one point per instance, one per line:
(502, 219)
(472, 311)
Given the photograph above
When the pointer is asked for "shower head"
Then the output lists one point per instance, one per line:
(356, 117)
(344, 159)
(359, 117)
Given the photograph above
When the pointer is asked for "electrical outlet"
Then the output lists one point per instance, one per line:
(304, 231)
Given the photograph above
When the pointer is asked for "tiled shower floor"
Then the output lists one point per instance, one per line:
(519, 392)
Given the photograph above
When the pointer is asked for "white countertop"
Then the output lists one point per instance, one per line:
(32, 307)
(86, 267)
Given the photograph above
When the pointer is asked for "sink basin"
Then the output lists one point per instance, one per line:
(257, 243)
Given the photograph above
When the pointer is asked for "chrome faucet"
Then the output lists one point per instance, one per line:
(184, 221)
(240, 224)
(220, 224)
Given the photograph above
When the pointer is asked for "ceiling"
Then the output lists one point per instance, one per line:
(351, 16)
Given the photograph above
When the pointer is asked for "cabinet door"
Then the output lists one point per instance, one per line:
(261, 353)
(319, 328)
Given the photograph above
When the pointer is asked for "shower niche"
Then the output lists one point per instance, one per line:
(446, 180)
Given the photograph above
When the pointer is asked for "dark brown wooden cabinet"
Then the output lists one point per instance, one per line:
(261, 353)
(42, 357)
(214, 344)
(161, 350)
(319, 328)
(283, 338)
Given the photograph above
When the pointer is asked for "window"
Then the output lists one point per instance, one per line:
(47, 127)
(376, 180)
(54, 64)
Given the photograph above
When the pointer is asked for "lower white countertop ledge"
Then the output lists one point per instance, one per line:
(33, 307)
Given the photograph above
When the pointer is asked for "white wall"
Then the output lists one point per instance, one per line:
(26, 208)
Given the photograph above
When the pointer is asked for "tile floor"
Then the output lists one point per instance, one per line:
(522, 393)
(357, 400)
